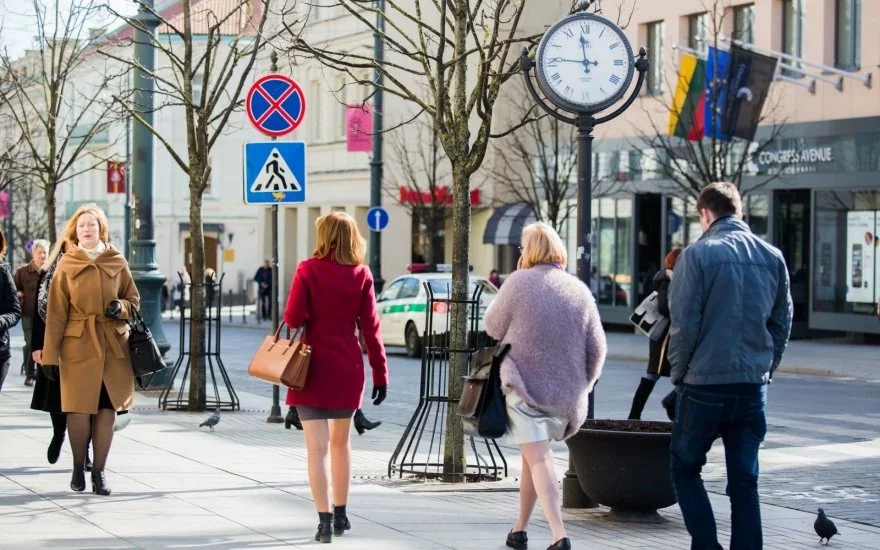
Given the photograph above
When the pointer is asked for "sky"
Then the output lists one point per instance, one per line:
(18, 20)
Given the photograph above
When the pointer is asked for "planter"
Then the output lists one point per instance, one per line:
(624, 464)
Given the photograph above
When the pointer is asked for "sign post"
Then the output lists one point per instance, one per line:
(275, 105)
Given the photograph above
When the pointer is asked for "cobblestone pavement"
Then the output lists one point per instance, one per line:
(822, 447)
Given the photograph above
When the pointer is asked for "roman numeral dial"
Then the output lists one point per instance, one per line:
(585, 63)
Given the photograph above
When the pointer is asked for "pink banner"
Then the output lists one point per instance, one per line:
(4, 204)
(359, 128)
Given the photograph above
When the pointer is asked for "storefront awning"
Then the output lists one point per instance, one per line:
(506, 224)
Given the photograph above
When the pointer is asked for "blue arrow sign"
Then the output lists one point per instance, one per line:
(275, 172)
(378, 218)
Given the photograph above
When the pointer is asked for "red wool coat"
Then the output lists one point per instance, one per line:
(332, 299)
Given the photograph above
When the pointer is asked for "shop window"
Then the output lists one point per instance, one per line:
(757, 213)
(848, 33)
(611, 274)
(846, 272)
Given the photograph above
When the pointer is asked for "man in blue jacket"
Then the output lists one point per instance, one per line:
(731, 309)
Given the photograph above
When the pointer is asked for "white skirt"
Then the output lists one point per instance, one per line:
(527, 424)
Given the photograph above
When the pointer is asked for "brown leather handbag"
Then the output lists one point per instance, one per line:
(282, 361)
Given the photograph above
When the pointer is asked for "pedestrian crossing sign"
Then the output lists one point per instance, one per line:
(275, 172)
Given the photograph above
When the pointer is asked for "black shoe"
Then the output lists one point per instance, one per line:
(325, 527)
(362, 423)
(54, 449)
(88, 464)
(78, 479)
(340, 525)
(292, 419)
(99, 483)
(518, 540)
(561, 544)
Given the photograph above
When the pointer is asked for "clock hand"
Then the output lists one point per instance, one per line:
(562, 59)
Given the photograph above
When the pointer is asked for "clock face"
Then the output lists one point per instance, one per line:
(585, 63)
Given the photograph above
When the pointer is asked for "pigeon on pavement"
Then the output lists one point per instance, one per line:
(212, 421)
(824, 527)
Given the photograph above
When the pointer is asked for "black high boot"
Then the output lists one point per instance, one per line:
(325, 527)
(292, 419)
(59, 429)
(644, 390)
(362, 423)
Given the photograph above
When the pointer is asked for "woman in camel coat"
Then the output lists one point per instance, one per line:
(91, 296)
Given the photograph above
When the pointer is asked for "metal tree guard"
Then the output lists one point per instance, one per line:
(420, 450)
(213, 361)
(572, 495)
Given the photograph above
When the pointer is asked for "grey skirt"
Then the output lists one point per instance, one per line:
(317, 413)
(526, 424)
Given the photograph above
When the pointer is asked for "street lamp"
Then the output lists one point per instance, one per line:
(376, 164)
(583, 87)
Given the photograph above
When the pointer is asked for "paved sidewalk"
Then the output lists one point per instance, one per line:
(245, 486)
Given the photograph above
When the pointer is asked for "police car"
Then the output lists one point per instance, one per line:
(404, 302)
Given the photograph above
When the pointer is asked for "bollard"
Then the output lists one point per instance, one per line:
(244, 308)
(230, 305)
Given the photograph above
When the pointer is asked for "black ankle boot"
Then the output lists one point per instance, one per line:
(54, 449)
(99, 483)
(362, 423)
(325, 527)
(292, 419)
(78, 479)
(643, 392)
(340, 521)
(561, 544)
(518, 540)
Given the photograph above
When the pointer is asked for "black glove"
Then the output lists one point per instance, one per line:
(114, 310)
(379, 394)
(51, 372)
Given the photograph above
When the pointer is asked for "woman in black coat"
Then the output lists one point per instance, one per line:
(10, 310)
(658, 363)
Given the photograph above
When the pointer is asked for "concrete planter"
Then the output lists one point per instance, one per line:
(624, 464)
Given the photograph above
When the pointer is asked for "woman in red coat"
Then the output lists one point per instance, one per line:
(332, 293)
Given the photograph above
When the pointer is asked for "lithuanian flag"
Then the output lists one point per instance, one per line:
(687, 116)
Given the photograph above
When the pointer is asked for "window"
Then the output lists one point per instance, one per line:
(848, 34)
(410, 289)
(392, 292)
(317, 135)
(744, 23)
(342, 98)
(793, 33)
(656, 31)
(698, 25)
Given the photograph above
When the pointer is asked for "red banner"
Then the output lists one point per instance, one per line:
(115, 177)
(442, 195)
(359, 128)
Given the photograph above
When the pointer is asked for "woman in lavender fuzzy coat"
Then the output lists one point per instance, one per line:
(558, 347)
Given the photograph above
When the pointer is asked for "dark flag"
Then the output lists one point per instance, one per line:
(749, 77)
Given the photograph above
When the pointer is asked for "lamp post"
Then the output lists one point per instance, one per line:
(275, 412)
(144, 268)
(585, 121)
(376, 164)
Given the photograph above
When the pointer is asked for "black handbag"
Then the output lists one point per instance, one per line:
(482, 406)
(146, 358)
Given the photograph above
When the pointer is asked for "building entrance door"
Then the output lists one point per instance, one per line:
(792, 236)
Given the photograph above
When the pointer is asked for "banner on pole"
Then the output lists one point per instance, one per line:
(359, 128)
(115, 177)
(4, 204)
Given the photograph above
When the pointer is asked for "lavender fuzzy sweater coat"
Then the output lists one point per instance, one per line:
(558, 347)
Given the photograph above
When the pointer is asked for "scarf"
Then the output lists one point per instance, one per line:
(93, 253)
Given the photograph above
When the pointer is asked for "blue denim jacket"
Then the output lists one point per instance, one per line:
(730, 308)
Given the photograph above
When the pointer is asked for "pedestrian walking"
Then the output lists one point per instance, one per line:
(494, 278)
(91, 296)
(658, 360)
(10, 310)
(730, 307)
(331, 294)
(558, 347)
(27, 278)
(263, 279)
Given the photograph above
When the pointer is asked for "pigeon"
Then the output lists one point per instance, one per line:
(824, 527)
(212, 421)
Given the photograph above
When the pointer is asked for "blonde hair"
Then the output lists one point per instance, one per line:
(69, 233)
(541, 244)
(337, 232)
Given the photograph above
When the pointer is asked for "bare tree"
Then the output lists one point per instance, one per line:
(450, 59)
(690, 165)
(56, 97)
(420, 182)
(206, 54)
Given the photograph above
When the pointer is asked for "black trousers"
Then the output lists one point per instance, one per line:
(265, 304)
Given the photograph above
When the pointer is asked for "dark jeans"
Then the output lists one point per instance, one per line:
(703, 414)
(28, 365)
(266, 304)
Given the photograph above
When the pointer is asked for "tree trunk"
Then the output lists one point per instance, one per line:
(454, 460)
(197, 378)
(50, 211)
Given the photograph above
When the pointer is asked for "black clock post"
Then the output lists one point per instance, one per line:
(572, 495)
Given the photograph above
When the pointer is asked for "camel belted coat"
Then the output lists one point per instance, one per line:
(89, 347)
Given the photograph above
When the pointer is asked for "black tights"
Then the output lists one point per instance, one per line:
(98, 428)
(59, 423)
